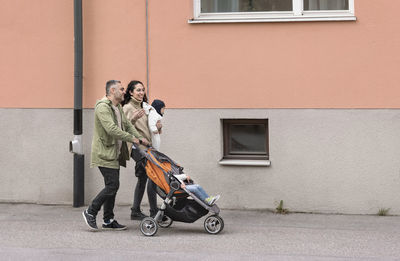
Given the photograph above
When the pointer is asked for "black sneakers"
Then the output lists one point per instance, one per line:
(137, 215)
(90, 220)
(114, 225)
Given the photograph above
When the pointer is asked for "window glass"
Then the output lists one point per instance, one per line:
(223, 6)
(247, 139)
(326, 5)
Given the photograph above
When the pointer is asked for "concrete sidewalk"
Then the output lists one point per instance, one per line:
(37, 232)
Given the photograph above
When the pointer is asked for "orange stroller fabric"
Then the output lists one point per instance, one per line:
(156, 174)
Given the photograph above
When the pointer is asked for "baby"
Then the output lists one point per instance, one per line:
(197, 190)
(155, 115)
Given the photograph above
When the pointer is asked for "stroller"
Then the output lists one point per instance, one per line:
(176, 205)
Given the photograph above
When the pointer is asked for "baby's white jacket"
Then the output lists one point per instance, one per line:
(153, 118)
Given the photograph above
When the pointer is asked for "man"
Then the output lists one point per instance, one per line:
(109, 151)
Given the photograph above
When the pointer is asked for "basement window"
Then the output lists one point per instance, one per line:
(245, 142)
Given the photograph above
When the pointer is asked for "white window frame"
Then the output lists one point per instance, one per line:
(297, 15)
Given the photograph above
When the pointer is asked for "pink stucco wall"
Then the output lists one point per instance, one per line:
(114, 44)
(249, 65)
(275, 65)
(36, 50)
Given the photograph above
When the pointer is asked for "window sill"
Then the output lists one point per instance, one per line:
(256, 163)
(202, 20)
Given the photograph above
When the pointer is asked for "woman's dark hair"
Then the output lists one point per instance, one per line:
(130, 88)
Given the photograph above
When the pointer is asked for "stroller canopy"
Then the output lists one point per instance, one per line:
(161, 169)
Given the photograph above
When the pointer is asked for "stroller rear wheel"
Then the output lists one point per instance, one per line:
(214, 224)
(165, 222)
(148, 226)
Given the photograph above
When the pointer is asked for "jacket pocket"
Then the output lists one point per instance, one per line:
(107, 141)
(107, 150)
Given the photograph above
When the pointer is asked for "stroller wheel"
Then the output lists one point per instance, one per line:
(165, 222)
(148, 226)
(214, 224)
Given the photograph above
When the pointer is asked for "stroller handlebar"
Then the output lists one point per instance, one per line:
(137, 153)
(135, 146)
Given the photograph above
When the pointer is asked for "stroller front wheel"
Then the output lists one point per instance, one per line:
(148, 226)
(214, 224)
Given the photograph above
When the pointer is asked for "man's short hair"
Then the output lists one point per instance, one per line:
(110, 84)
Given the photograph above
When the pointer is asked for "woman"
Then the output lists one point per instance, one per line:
(135, 106)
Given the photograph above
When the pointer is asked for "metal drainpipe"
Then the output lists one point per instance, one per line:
(147, 49)
(76, 146)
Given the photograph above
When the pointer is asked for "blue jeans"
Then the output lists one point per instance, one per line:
(198, 191)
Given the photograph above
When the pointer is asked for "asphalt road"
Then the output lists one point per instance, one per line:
(38, 232)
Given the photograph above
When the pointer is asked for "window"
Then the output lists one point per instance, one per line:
(245, 139)
(225, 11)
(227, 6)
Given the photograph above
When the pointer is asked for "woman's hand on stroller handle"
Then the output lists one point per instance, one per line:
(145, 142)
(142, 141)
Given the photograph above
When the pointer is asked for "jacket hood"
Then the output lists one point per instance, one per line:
(158, 105)
(103, 100)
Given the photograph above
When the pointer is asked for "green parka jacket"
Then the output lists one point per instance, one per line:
(106, 134)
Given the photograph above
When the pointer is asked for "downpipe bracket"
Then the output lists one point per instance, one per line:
(76, 146)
